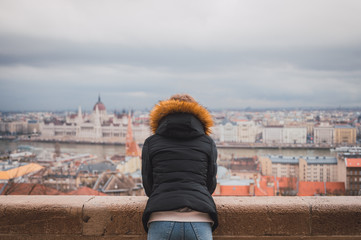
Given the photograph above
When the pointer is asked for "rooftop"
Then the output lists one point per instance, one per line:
(320, 188)
(27, 189)
(353, 162)
(343, 126)
(86, 191)
(309, 160)
(20, 171)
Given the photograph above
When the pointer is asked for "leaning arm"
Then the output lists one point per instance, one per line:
(147, 176)
(212, 169)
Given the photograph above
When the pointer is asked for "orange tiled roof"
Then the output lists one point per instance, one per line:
(281, 182)
(234, 190)
(310, 188)
(86, 191)
(265, 190)
(287, 182)
(29, 189)
(314, 188)
(133, 150)
(335, 188)
(353, 162)
(260, 191)
(266, 186)
(20, 171)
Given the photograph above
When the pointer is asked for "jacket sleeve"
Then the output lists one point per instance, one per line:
(212, 169)
(147, 175)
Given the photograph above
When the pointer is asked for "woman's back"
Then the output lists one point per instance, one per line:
(179, 164)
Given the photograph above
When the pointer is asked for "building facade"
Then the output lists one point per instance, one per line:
(273, 135)
(247, 132)
(310, 169)
(353, 176)
(294, 135)
(14, 127)
(96, 127)
(318, 169)
(323, 134)
(345, 134)
(228, 132)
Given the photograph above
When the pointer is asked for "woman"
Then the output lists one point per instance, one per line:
(179, 167)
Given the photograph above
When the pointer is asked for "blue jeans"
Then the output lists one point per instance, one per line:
(167, 230)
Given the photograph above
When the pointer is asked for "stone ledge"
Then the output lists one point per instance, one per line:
(89, 217)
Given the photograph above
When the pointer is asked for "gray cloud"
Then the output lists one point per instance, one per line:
(61, 54)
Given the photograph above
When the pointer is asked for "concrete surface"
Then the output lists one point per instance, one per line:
(246, 218)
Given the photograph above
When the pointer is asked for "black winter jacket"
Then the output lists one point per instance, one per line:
(179, 167)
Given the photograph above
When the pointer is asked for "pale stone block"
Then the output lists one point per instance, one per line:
(114, 216)
(335, 215)
(262, 216)
(41, 214)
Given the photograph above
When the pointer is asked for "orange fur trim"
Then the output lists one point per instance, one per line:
(164, 108)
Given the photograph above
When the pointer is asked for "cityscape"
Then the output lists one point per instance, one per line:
(79, 83)
(284, 152)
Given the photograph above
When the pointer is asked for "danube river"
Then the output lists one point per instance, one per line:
(108, 150)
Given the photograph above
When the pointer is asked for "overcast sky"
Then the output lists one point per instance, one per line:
(58, 55)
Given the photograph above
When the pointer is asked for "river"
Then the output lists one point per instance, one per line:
(108, 150)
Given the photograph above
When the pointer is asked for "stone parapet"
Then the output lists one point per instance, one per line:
(102, 217)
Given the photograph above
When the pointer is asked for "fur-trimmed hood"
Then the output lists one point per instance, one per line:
(164, 108)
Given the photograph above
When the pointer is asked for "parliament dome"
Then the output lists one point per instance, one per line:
(101, 106)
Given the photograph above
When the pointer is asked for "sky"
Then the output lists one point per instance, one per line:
(61, 54)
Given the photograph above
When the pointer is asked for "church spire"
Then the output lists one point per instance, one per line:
(129, 136)
(97, 116)
(80, 115)
(131, 147)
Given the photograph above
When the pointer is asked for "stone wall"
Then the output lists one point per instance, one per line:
(268, 218)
